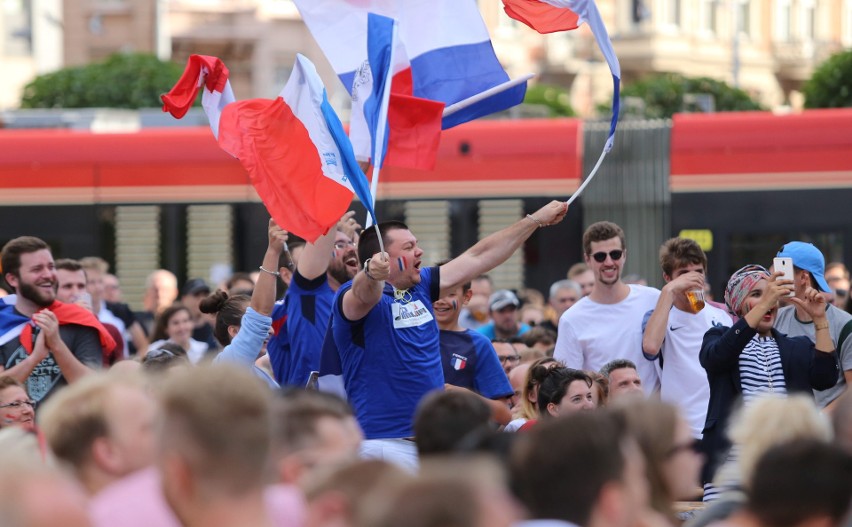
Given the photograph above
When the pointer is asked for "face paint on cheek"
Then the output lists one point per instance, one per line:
(455, 305)
(402, 262)
(333, 254)
(8, 419)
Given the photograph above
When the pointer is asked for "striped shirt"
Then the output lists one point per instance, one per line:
(760, 369)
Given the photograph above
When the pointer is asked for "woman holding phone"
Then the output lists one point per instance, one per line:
(750, 358)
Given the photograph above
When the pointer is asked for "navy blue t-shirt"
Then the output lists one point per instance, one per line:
(299, 322)
(469, 361)
(390, 358)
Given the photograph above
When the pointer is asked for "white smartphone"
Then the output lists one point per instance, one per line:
(784, 266)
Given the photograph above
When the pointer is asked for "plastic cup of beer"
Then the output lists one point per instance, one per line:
(696, 300)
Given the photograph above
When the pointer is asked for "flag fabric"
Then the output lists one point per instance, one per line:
(11, 322)
(15, 325)
(547, 16)
(449, 52)
(369, 104)
(209, 73)
(294, 148)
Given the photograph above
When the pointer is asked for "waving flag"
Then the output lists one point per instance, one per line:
(450, 57)
(11, 322)
(294, 148)
(548, 16)
(209, 73)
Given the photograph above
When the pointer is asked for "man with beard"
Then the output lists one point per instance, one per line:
(300, 319)
(54, 352)
(607, 324)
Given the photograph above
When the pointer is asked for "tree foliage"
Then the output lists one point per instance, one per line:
(663, 95)
(830, 86)
(555, 99)
(124, 80)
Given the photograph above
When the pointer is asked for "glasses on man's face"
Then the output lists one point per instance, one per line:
(343, 245)
(509, 358)
(615, 254)
(18, 404)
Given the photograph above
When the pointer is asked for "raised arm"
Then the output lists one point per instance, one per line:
(655, 330)
(366, 290)
(315, 257)
(496, 248)
(263, 296)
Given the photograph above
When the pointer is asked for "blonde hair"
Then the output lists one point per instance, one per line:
(767, 422)
(76, 416)
(217, 419)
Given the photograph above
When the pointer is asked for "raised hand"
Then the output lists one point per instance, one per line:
(550, 214)
(378, 267)
(277, 236)
(813, 303)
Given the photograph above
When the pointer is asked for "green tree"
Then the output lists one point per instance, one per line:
(555, 99)
(124, 80)
(663, 94)
(831, 84)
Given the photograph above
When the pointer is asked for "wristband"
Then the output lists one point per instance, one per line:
(537, 222)
(818, 327)
(267, 271)
(367, 269)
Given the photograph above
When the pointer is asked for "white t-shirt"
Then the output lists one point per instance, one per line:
(683, 382)
(194, 354)
(592, 334)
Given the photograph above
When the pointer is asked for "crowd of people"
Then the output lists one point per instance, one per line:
(380, 390)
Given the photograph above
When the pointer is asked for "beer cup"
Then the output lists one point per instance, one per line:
(696, 300)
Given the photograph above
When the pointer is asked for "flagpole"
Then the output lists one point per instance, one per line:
(464, 103)
(381, 125)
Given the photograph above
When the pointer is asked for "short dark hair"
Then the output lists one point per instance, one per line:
(444, 419)
(601, 231)
(67, 264)
(560, 467)
(799, 480)
(555, 384)
(679, 252)
(10, 257)
(539, 334)
(162, 321)
(616, 364)
(368, 242)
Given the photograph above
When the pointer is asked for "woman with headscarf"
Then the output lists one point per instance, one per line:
(751, 358)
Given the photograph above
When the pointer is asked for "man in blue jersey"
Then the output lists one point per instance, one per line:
(468, 358)
(384, 328)
(300, 319)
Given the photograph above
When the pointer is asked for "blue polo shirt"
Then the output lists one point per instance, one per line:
(299, 322)
(469, 361)
(390, 358)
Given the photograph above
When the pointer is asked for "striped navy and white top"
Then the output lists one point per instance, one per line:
(760, 368)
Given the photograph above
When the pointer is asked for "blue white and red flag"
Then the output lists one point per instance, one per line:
(448, 50)
(294, 148)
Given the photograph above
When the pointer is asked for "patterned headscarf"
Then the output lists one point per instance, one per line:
(740, 285)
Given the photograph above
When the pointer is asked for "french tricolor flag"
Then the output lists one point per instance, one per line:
(549, 16)
(294, 147)
(449, 54)
(11, 322)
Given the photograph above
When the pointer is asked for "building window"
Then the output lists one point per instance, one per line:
(744, 17)
(847, 23)
(808, 20)
(783, 20)
(673, 13)
(709, 16)
(16, 28)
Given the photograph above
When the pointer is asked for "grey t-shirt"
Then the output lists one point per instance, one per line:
(84, 343)
(787, 323)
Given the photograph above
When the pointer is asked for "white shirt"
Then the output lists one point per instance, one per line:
(683, 382)
(592, 334)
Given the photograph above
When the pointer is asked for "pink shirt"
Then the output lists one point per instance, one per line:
(137, 501)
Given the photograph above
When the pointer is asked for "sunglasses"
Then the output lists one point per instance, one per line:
(615, 254)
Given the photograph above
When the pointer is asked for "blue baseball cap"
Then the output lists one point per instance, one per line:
(806, 256)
